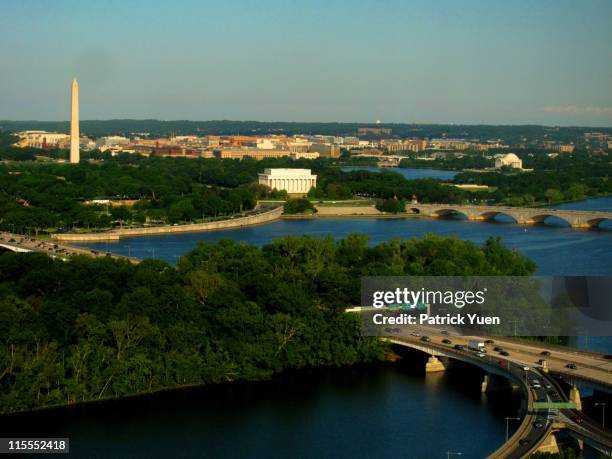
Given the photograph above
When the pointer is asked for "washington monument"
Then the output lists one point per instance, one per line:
(74, 123)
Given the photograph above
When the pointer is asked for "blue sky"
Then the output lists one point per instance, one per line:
(467, 61)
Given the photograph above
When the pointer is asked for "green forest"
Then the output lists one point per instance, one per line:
(333, 183)
(553, 180)
(90, 329)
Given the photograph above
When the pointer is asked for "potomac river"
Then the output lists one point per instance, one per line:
(388, 410)
(557, 251)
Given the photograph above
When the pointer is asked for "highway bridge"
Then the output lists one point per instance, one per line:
(521, 363)
(21, 243)
(522, 215)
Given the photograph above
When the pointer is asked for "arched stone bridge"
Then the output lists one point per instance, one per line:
(522, 215)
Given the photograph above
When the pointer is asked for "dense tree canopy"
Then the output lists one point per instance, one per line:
(299, 206)
(333, 183)
(89, 329)
(564, 178)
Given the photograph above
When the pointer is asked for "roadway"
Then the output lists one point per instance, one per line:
(21, 243)
(591, 367)
(536, 425)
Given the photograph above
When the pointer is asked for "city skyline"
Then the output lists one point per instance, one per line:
(474, 63)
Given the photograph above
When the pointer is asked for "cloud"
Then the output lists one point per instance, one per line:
(575, 110)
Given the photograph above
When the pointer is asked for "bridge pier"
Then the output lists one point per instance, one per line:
(492, 382)
(434, 364)
(574, 396)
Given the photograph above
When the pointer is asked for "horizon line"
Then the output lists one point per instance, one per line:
(368, 123)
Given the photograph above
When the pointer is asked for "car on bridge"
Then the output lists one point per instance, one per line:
(447, 341)
(571, 366)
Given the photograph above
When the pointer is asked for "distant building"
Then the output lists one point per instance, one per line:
(373, 130)
(566, 148)
(509, 160)
(43, 139)
(449, 144)
(186, 138)
(176, 152)
(304, 155)
(299, 145)
(392, 146)
(367, 152)
(325, 150)
(293, 181)
(240, 153)
(266, 144)
(415, 145)
(112, 140)
(595, 136)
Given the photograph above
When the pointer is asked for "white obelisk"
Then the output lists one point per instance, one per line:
(74, 123)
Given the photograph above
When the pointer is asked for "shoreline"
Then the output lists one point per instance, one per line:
(219, 225)
(399, 216)
(332, 211)
(110, 399)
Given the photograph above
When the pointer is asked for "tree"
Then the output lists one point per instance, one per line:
(553, 195)
(121, 214)
(391, 206)
(299, 206)
(576, 191)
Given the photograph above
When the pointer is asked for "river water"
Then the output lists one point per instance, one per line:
(556, 250)
(409, 173)
(382, 411)
(367, 411)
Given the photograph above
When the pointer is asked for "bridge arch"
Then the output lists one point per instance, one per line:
(451, 213)
(415, 210)
(550, 219)
(603, 223)
(498, 217)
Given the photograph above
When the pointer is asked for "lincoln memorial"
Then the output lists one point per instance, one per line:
(293, 181)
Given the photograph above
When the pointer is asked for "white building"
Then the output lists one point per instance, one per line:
(305, 155)
(293, 181)
(510, 160)
(266, 144)
(112, 140)
(43, 139)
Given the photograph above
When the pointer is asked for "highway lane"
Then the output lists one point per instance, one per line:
(539, 386)
(22, 243)
(589, 365)
(535, 425)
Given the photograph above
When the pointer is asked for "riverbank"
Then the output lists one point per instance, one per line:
(349, 212)
(272, 422)
(116, 235)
